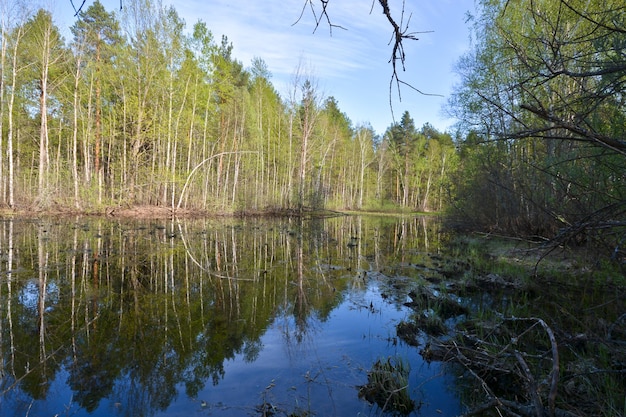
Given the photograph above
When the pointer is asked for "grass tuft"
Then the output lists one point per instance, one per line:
(388, 386)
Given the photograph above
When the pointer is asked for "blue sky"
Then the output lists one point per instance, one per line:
(353, 64)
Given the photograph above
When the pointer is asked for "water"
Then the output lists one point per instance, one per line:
(225, 317)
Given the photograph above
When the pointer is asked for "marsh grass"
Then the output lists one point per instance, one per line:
(388, 386)
(544, 332)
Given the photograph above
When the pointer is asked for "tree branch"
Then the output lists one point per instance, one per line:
(80, 8)
(614, 144)
(595, 22)
(400, 33)
(318, 19)
(77, 11)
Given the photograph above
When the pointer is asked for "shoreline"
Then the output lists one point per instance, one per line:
(162, 212)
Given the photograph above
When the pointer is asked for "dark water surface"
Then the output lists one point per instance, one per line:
(219, 317)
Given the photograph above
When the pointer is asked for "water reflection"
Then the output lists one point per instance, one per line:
(211, 316)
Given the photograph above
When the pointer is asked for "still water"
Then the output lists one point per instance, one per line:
(217, 317)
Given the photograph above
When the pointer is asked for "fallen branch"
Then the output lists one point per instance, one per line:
(532, 385)
(482, 364)
(554, 380)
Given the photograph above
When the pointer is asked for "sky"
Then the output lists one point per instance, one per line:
(350, 64)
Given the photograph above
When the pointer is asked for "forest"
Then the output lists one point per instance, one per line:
(137, 109)
(541, 102)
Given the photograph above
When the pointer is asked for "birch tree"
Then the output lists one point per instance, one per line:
(307, 117)
(365, 143)
(11, 40)
(45, 48)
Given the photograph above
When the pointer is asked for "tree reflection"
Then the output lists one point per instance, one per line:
(131, 310)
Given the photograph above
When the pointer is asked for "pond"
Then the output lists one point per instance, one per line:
(224, 317)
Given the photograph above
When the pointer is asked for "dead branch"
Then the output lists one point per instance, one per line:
(532, 384)
(465, 361)
(323, 15)
(554, 380)
(587, 17)
(80, 8)
(478, 361)
(612, 326)
(600, 219)
(76, 11)
(400, 33)
(614, 144)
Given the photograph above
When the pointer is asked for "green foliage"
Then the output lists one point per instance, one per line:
(540, 106)
(422, 162)
(137, 103)
(98, 31)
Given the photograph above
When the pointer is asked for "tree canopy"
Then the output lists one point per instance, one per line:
(136, 110)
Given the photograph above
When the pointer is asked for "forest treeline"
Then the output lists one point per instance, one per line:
(138, 109)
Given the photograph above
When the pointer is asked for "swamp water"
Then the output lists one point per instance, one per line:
(224, 317)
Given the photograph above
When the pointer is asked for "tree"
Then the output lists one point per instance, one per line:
(400, 32)
(267, 116)
(143, 66)
(4, 46)
(144, 108)
(230, 81)
(334, 176)
(203, 48)
(364, 136)
(97, 31)
(46, 50)
(403, 138)
(544, 86)
(12, 21)
(307, 118)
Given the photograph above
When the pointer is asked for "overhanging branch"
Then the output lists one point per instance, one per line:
(400, 33)
(614, 144)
